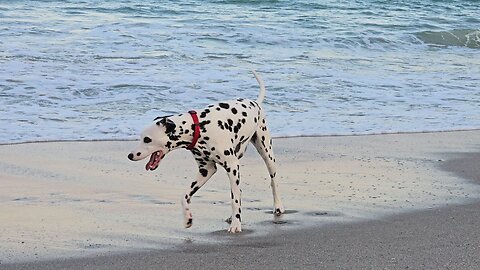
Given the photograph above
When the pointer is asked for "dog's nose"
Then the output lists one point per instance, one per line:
(130, 156)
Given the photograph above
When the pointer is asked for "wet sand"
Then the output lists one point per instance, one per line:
(428, 222)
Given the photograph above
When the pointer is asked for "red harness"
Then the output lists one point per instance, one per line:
(196, 131)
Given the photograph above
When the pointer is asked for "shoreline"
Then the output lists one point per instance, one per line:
(274, 137)
(400, 157)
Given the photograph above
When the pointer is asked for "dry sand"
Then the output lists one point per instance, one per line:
(61, 200)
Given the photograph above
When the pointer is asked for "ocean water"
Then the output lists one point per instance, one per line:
(90, 69)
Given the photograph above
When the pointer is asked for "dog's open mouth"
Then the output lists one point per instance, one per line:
(155, 159)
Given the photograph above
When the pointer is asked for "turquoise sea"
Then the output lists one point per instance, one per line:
(104, 69)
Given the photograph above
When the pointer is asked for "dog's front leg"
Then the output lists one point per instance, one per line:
(204, 173)
(233, 170)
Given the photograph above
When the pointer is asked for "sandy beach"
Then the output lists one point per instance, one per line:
(390, 201)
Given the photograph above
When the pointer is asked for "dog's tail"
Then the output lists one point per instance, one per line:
(262, 87)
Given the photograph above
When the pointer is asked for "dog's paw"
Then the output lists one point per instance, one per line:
(235, 227)
(278, 210)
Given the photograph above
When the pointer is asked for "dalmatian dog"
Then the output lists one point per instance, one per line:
(216, 135)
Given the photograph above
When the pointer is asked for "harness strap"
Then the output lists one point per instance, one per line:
(196, 131)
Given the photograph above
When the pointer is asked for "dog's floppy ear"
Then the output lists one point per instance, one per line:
(167, 123)
(160, 117)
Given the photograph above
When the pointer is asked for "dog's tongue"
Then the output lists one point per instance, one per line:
(154, 161)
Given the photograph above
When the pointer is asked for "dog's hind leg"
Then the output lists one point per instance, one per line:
(204, 173)
(263, 143)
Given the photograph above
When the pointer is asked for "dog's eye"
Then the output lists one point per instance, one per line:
(147, 140)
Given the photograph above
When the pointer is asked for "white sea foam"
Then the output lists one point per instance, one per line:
(85, 70)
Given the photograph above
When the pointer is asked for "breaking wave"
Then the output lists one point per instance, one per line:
(459, 37)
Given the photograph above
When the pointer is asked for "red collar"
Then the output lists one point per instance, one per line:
(196, 131)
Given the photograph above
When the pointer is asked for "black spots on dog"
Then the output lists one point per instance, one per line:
(196, 152)
(226, 152)
(238, 217)
(244, 106)
(234, 172)
(244, 114)
(237, 148)
(224, 105)
(218, 109)
(203, 124)
(253, 104)
(255, 119)
(201, 162)
(206, 138)
(187, 198)
(226, 125)
(180, 143)
(231, 193)
(238, 182)
(206, 153)
(213, 148)
(189, 222)
(203, 172)
(193, 184)
(240, 99)
(173, 137)
(237, 127)
(147, 140)
(195, 189)
(243, 120)
(273, 175)
(263, 142)
(184, 122)
(204, 113)
(218, 157)
(220, 124)
(169, 129)
(240, 210)
(234, 111)
(168, 124)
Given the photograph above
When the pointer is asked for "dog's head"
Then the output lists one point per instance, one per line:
(155, 141)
